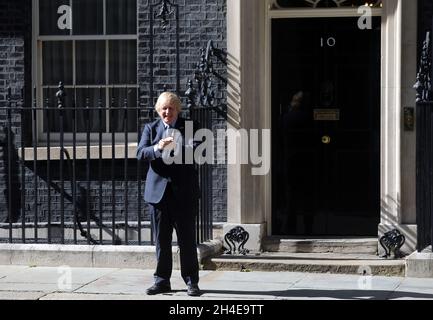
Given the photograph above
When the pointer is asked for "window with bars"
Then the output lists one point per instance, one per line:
(90, 46)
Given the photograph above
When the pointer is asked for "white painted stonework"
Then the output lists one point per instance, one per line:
(248, 23)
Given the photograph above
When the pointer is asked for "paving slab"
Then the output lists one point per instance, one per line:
(333, 294)
(130, 281)
(125, 281)
(13, 295)
(411, 294)
(45, 287)
(50, 275)
(132, 273)
(127, 297)
(417, 283)
(85, 296)
(414, 288)
(223, 294)
(9, 270)
(244, 289)
(32, 283)
(335, 281)
(116, 285)
(260, 277)
(234, 296)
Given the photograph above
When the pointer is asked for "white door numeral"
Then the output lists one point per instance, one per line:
(330, 42)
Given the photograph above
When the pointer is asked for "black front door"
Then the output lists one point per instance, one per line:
(325, 127)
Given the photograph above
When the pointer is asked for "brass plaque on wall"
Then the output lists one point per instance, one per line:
(327, 115)
(409, 119)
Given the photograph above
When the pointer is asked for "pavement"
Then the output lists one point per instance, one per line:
(66, 283)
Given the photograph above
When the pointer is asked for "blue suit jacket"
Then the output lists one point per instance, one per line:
(183, 177)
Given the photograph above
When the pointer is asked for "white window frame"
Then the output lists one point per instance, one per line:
(37, 78)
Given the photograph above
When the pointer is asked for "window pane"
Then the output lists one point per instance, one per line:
(90, 67)
(117, 122)
(49, 17)
(57, 62)
(97, 119)
(88, 17)
(121, 17)
(123, 62)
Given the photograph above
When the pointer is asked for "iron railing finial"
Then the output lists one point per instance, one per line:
(163, 13)
(60, 95)
(191, 95)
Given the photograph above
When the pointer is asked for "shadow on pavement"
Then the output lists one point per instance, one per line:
(328, 294)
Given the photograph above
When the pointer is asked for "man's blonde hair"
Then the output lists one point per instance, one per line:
(169, 97)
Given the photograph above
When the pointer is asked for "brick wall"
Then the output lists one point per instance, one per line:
(15, 46)
(199, 22)
(15, 43)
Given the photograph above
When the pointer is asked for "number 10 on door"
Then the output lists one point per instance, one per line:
(328, 42)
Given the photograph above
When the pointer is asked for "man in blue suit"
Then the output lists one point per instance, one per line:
(172, 192)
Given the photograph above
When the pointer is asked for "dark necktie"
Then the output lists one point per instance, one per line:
(168, 132)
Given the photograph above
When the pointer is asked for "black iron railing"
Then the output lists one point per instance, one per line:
(81, 187)
(70, 178)
(70, 192)
(70, 175)
(202, 103)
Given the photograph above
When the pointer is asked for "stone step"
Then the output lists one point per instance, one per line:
(355, 245)
(309, 262)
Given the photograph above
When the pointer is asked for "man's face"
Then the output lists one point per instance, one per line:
(168, 112)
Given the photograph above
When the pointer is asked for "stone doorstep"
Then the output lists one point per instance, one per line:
(310, 263)
(344, 245)
(142, 257)
(420, 264)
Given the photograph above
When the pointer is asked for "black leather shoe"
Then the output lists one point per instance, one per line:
(193, 290)
(157, 289)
